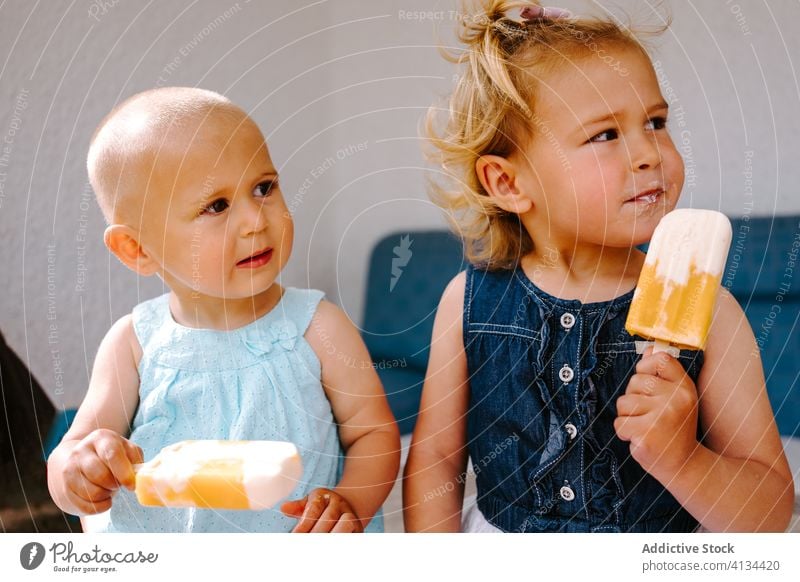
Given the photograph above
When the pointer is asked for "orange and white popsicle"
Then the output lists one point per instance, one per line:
(220, 474)
(678, 286)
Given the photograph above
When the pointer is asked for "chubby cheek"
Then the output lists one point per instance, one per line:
(675, 169)
(671, 161)
(596, 178)
(211, 261)
(593, 196)
(286, 227)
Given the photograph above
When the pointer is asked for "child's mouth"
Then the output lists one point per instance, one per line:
(258, 260)
(647, 197)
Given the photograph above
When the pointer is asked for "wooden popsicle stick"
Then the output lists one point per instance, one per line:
(660, 346)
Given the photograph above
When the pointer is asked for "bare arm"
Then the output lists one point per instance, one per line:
(737, 479)
(367, 428)
(433, 490)
(94, 459)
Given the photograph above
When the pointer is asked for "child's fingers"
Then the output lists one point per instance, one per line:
(88, 491)
(315, 506)
(633, 405)
(348, 523)
(92, 469)
(644, 385)
(295, 507)
(88, 497)
(79, 487)
(93, 505)
(629, 428)
(114, 454)
(662, 365)
(327, 521)
(134, 452)
(621, 429)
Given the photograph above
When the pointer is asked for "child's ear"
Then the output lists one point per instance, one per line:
(124, 243)
(499, 178)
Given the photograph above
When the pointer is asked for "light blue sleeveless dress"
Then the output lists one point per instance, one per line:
(257, 382)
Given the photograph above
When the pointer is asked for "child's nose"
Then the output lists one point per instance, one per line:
(645, 153)
(253, 219)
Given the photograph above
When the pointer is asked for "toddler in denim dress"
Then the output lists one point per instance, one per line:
(187, 185)
(558, 164)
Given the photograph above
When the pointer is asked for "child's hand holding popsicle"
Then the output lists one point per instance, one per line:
(241, 475)
(672, 305)
(96, 466)
(220, 474)
(737, 477)
(323, 511)
(658, 414)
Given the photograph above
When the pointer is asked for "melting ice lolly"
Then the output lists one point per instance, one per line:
(674, 299)
(220, 474)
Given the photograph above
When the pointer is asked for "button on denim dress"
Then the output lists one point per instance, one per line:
(257, 382)
(544, 375)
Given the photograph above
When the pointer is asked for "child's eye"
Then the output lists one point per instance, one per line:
(657, 123)
(264, 189)
(606, 135)
(216, 207)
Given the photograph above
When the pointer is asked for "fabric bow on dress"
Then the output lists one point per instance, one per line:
(283, 333)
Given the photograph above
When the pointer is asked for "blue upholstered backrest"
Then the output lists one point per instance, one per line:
(407, 274)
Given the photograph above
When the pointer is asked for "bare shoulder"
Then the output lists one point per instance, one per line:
(331, 333)
(730, 339)
(113, 392)
(327, 311)
(728, 317)
(447, 354)
(451, 305)
(329, 318)
(122, 337)
(455, 288)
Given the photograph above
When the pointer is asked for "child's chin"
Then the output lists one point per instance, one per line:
(259, 286)
(637, 238)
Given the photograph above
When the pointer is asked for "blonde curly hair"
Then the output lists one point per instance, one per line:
(491, 111)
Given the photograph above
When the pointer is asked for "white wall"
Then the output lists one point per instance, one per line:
(320, 78)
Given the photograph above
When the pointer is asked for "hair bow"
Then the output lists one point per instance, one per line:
(543, 13)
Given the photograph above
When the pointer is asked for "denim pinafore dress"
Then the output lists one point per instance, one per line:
(544, 375)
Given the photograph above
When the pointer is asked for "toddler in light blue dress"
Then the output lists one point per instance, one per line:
(186, 183)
